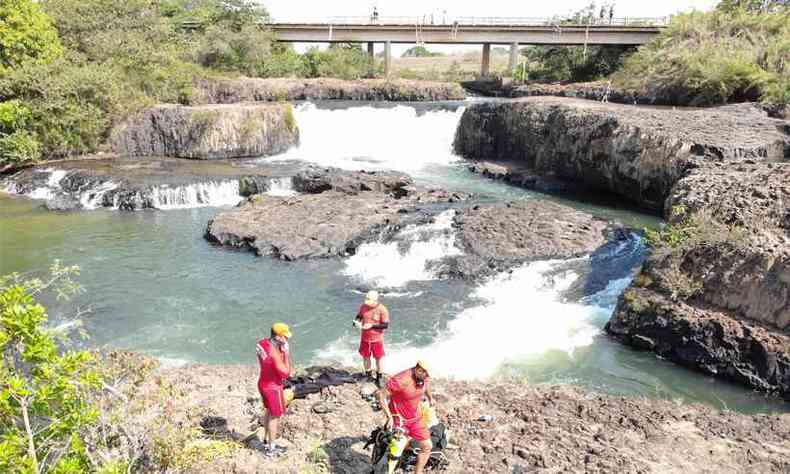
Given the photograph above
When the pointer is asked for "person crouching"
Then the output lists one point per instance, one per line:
(400, 400)
(275, 369)
(372, 318)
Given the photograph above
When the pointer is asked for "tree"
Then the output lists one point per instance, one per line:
(26, 35)
(752, 5)
(419, 52)
(45, 392)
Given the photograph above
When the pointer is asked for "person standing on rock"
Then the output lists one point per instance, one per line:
(372, 319)
(275, 363)
(400, 400)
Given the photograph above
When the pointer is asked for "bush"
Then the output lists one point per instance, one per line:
(344, 61)
(713, 58)
(26, 35)
(45, 394)
(570, 63)
(19, 147)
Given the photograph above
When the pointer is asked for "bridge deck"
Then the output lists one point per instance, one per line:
(466, 34)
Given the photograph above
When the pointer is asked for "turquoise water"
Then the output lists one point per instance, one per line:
(155, 285)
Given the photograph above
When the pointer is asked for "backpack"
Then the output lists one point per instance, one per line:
(380, 440)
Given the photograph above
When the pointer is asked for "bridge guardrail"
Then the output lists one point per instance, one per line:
(427, 20)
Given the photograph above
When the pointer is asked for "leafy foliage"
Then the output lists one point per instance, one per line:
(570, 63)
(344, 61)
(26, 35)
(711, 58)
(420, 52)
(45, 393)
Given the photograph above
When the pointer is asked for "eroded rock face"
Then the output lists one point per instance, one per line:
(638, 153)
(498, 237)
(328, 224)
(722, 302)
(231, 91)
(208, 132)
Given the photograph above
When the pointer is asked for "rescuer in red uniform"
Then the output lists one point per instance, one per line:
(275, 369)
(372, 318)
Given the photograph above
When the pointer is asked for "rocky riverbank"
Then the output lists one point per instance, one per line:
(195, 419)
(230, 91)
(208, 131)
(638, 153)
(715, 294)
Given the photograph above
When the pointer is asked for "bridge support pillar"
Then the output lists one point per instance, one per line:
(387, 58)
(371, 59)
(485, 66)
(513, 61)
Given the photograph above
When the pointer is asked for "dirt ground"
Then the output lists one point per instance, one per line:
(529, 428)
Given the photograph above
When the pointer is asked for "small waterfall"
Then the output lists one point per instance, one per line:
(281, 187)
(396, 263)
(93, 198)
(211, 193)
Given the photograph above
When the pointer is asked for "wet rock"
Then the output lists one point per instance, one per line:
(231, 91)
(317, 180)
(638, 153)
(497, 237)
(332, 223)
(208, 132)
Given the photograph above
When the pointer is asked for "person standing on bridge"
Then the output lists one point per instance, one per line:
(372, 319)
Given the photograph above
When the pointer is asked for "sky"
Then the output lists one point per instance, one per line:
(314, 10)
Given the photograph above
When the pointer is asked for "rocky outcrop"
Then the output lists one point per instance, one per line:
(496, 427)
(317, 180)
(231, 91)
(346, 210)
(638, 153)
(498, 237)
(208, 132)
(715, 294)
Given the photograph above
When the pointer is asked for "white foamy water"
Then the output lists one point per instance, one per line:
(211, 193)
(523, 316)
(56, 177)
(281, 187)
(382, 265)
(93, 198)
(374, 138)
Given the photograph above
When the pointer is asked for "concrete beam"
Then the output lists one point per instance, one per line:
(513, 60)
(439, 34)
(486, 63)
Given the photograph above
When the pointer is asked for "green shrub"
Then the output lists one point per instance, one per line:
(45, 393)
(26, 35)
(343, 61)
(19, 147)
(714, 57)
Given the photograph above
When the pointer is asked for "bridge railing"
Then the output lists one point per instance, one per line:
(439, 20)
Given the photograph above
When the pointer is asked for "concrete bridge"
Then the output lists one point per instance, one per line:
(469, 30)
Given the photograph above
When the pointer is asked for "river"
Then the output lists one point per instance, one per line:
(155, 285)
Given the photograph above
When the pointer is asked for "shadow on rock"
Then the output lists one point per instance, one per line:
(342, 458)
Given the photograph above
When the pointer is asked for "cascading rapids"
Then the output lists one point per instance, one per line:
(523, 315)
(384, 265)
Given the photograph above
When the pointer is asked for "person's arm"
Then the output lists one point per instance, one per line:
(281, 364)
(383, 394)
(384, 321)
(429, 396)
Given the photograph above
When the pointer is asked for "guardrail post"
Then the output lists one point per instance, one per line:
(484, 67)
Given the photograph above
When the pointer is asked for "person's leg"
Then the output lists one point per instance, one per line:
(366, 363)
(378, 353)
(365, 352)
(271, 429)
(422, 458)
(267, 428)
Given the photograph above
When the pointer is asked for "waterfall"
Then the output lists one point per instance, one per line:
(281, 187)
(396, 263)
(211, 193)
(408, 138)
